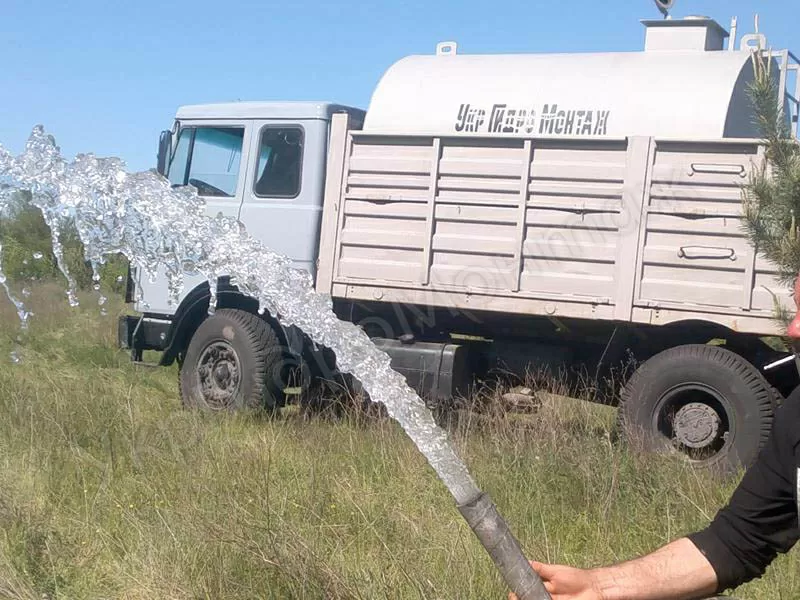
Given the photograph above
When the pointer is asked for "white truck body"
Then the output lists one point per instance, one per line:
(595, 186)
(600, 186)
(577, 212)
(636, 229)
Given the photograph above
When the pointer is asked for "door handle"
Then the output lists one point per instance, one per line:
(721, 169)
(708, 252)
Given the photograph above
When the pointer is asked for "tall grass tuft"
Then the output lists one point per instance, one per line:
(109, 489)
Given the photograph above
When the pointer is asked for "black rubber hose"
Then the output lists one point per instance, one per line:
(504, 549)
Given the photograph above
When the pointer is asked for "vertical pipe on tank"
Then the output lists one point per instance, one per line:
(784, 78)
(732, 38)
(796, 123)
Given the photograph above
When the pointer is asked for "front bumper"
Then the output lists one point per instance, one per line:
(142, 333)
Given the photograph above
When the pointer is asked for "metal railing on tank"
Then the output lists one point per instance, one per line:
(790, 69)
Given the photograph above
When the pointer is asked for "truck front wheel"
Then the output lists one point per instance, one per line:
(703, 401)
(234, 361)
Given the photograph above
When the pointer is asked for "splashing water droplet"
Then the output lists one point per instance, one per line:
(22, 312)
(38, 255)
(26, 292)
(102, 300)
(103, 312)
(16, 357)
(72, 298)
(96, 287)
(212, 295)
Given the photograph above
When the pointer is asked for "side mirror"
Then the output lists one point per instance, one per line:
(164, 152)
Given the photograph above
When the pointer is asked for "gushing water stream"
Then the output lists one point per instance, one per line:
(156, 226)
(159, 227)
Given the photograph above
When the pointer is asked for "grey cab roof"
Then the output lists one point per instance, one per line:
(265, 110)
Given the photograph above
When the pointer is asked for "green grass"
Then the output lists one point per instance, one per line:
(108, 489)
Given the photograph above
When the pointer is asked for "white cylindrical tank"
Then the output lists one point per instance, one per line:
(667, 92)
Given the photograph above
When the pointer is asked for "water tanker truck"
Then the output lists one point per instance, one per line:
(577, 214)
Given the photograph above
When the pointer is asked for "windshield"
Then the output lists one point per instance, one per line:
(208, 158)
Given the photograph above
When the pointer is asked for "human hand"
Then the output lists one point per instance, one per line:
(566, 583)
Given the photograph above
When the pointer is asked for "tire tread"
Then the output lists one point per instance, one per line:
(266, 351)
(763, 394)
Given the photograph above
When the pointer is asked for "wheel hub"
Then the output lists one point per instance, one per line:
(697, 425)
(220, 375)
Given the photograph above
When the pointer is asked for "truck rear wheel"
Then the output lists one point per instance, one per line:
(234, 361)
(703, 401)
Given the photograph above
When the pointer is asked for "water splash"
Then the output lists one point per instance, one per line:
(23, 314)
(157, 227)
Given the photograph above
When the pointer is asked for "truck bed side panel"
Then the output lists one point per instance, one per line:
(633, 230)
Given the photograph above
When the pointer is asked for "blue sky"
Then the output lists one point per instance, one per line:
(107, 76)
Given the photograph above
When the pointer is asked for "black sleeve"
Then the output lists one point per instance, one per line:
(761, 518)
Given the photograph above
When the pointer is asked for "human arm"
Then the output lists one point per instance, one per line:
(759, 522)
(761, 518)
(678, 571)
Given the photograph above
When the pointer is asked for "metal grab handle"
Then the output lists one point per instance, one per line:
(721, 169)
(710, 252)
(503, 547)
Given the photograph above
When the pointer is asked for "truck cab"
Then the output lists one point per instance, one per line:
(262, 163)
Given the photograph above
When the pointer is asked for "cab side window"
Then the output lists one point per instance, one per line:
(280, 161)
(208, 158)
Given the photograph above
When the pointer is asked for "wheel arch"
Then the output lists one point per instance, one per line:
(752, 347)
(654, 340)
(643, 342)
(692, 331)
(193, 310)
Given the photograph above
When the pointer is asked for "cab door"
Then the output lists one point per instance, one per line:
(209, 156)
(282, 204)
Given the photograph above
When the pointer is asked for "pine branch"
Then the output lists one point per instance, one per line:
(771, 198)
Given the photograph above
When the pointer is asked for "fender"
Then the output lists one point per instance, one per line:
(193, 310)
